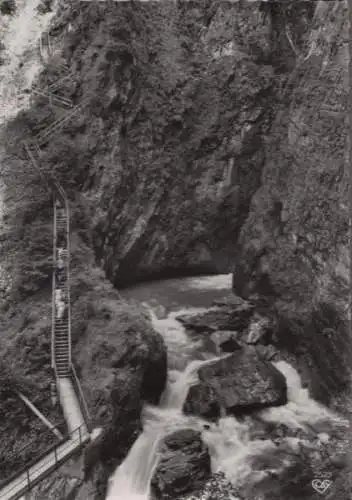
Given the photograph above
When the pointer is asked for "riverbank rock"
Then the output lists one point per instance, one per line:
(118, 436)
(203, 400)
(268, 352)
(260, 330)
(239, 383)
(231, 300)
(217, 487)
(227, 317)
(184, 465)
(123, 364)
(223, 341)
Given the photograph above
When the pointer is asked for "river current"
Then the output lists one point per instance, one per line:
(230, 444)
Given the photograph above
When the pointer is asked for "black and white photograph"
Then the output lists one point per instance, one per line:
(175, 250)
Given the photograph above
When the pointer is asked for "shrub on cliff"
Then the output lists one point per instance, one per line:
(8, 7)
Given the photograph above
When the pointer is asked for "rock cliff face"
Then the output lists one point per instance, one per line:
(211, 138)
(294, 244)
(192, 117)
(294, 241)
(182, 97)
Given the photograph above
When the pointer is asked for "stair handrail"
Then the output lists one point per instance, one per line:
(53, 448)
(52, 97)
(33, 160)
(82, 400)
(30, 445)
(58, 83)
(53, 308)
(65, 199)
(43, 136)
(68, 285)
(62, 193)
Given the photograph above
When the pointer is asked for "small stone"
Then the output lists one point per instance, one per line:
(323, 437)
(339, 461)
(224, 341)
(259, 330)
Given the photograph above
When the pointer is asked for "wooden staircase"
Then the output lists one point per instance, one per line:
(44, 136)
(56, 100)
(61, 319)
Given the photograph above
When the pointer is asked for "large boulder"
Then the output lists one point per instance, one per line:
(118, 436)
(122, 365)
(203, 400)
(184, 465)
(237, 384)
(226, 317)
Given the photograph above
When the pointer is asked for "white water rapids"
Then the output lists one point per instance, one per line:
(231, 446)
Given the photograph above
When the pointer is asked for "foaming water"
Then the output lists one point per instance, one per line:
(218, 282)
(181, 349)
(176, 392)
(301, 411)
(131, 480)
(234, 449)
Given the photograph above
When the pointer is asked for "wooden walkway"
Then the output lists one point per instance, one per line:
(29, 477)
(67, 384)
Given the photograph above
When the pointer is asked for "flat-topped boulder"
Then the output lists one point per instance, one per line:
(219, 318)
(239, 383)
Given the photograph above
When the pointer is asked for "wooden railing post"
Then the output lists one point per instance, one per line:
(68, 286)
(53, 365)
(28, 481)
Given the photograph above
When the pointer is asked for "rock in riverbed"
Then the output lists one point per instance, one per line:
(184, 465)
(239, 383)
(233, 317)
(223, 341)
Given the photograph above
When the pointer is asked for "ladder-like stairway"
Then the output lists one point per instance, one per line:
(57, 100)
(61, 319)
(70, 392)
(44, 136)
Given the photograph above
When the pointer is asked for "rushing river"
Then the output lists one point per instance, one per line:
(231, 447)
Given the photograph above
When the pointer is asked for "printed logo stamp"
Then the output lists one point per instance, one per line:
(321, 485)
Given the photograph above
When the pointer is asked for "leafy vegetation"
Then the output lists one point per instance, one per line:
(7, 7)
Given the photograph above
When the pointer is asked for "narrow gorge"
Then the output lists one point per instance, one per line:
(203, 148)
